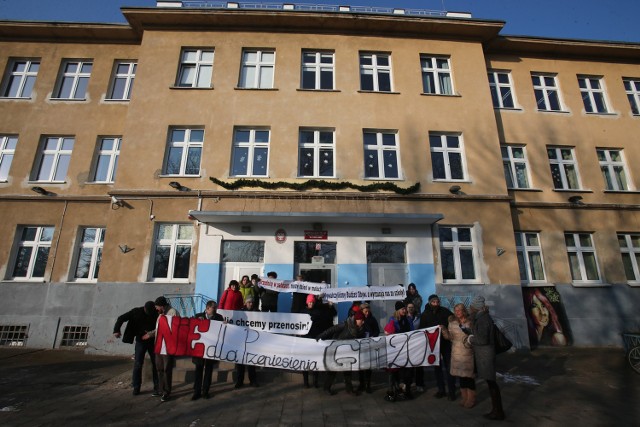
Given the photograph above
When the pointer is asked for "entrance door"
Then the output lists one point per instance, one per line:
(386, 275)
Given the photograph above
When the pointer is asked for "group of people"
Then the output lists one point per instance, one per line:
(466, 345)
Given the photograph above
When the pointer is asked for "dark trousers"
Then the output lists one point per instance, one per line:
(204, 374)
(419, 375)
(240, 374)
(164, 365)
(364, 379)
(331, 376)
(442, 372)
(141, 349)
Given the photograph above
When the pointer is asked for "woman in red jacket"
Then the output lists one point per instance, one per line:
(232, 297)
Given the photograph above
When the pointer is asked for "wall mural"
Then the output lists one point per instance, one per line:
(546, 318)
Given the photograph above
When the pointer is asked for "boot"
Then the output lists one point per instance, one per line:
(315, 379)
(463, 394)
(305, 379)
(496, 405)
(471, 399)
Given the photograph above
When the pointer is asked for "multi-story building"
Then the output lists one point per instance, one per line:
(358, 147)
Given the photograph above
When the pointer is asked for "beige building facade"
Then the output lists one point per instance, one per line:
(190, 147)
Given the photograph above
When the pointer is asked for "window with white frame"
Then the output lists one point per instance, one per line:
(317, 70)
(316, 153)
(630, 250)
(124, 74)
(258, 67)
(20, 77)
(592, 91)
(514, 161)
(564, 169)
(74, 79)
(529, 257)
(582, 257)
(32, 252)
(381, 154)
(107, 159)
(501, 88)
(632, 87)
(196, 68)
(184, 151)
(545, 88)
(436, 75)
(375, 72)
(53, 160)
(447, 156)
(8, 145)
(172, 252)
(89, 254)
(250, 152)
(613, 169)
(458, 254)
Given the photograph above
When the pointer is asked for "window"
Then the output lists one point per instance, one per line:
(613, 169)
(447, 156)
(20, 78)
(14, 335)
(630, 250)
(514, 162)
(458, 256)
(386, 252)
(242, 251)
(529, 257)
(303, 252)
(564, 169)
(381, 159)
(196, 68)
(33, 252)
(316, 155)
(250, 152)
(501, 88)
(375, 72)
(582, 257)
(592, 94)
(122, 81)
(632, 87)
(184, 151)
(258, 67)
(75, 336)
(317, 70)
(107, 159)
(74, 79)
(172, 252)
(7, 150)
(54, 159)
(89, 254)
(545, 88)
(436, 75)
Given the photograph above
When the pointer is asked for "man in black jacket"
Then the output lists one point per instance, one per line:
(140, 320)
(435, 315)
(204, 367)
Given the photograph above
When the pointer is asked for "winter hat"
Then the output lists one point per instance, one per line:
(477, 302)
(249, 299)
(161, 301)
(310, 298)
(364, 305)
(399, 305)
(433, 296)
(358, 316)
(149, 307)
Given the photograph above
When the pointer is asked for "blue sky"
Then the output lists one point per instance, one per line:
(579, 19)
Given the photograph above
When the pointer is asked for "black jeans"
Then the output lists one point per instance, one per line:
(442, 372)
(204, 374)
(141, 349)
(240, 374)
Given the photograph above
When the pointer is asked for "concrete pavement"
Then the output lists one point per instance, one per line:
(548, 387)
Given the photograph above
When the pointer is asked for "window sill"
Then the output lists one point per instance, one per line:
(81, 282)
(532, 190)
(191, 87)
(536, 284)
(257, 88)
(590, 285)
(99, 183)
(600, 114)
(554, 111)
(24, 280)
(460, 283)
(444, 95)
(379, 91)
(69, 99)
(508, 109)
(179, 176)
(634, 284)
(621, 192)
(116, 101)
(317, 177)
(572, 190)
(161, 281)
(382, 179)
(15, 98)
(46, 182)
(318, 90)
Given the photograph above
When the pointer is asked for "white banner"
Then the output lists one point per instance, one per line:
(222, 341)
(293, 286)
(365, 293)
(277, 323)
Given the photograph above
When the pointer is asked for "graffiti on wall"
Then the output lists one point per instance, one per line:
(546, 318)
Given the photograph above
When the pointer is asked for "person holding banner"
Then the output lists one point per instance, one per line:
(321, 320)
(371, 329)
(231, 298)
(204, 367)
(164, 362)
(269, 298)
(399, 378)
(247, 289)
(249, 305)
(351, 328)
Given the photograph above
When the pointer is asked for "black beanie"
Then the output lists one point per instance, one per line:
(399, 305)
(149, 307)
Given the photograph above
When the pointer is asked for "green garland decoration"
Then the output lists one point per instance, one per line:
(315, 183)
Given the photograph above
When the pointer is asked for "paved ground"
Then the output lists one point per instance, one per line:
(548, 387)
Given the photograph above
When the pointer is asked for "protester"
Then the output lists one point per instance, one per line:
(298, 299)
(483, 342)
(399, 378)
(417, 373)
(371, 329)
(269, 298)
(164, 362)
(249, 305)
(435, 315)
(140, 320)
(351, 328)
(321, 320)
(413, 297)
(231, 298)
(462, 366)
(246, 289)
(204, 367)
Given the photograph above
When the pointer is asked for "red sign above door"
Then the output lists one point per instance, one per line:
(315, 235)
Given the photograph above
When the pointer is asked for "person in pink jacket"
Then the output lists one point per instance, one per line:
(232, 297)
